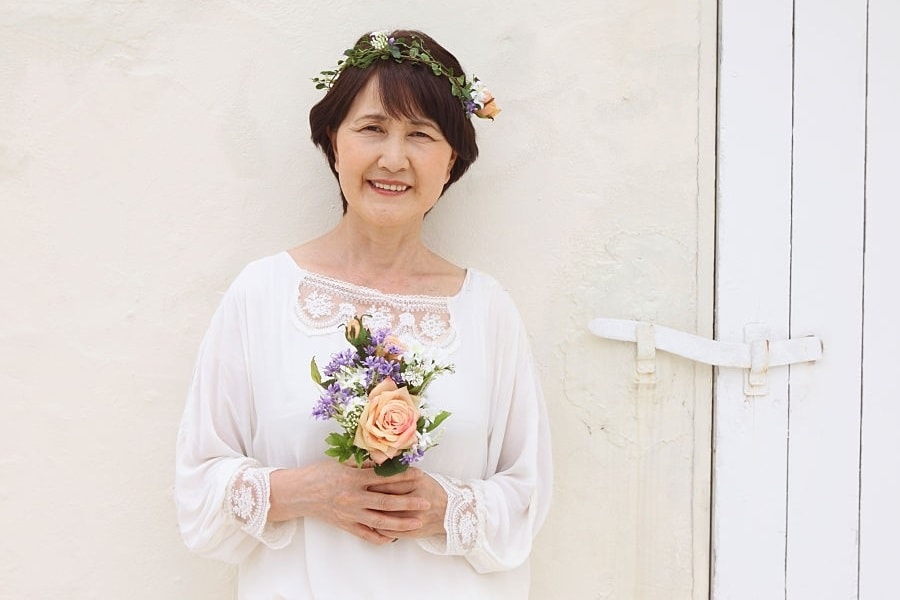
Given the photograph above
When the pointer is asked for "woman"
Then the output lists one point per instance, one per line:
(253, 485)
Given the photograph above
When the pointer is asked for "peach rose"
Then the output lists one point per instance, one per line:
(489, 109)
(393, 343)
(387, 425)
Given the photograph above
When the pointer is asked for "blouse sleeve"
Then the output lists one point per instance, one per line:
(493, 521)
(221, 492)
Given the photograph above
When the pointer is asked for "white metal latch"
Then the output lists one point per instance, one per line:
(755, 355)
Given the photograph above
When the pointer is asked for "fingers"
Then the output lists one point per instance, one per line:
(370, 535)
(378, 519)
(378, 511)
(389, 523)
(345, 501)
(393, 536)
(402, 483)
(381, 509)
(432, 517)
(394, 487)
(397, 502)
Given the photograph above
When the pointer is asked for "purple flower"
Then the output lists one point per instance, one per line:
(332, 398)
(392, 349)
(342, 359)
(377, 368)
(378, 338)
(413, 455)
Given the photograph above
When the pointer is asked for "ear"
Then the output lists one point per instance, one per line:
(450, 166)
(334, 149)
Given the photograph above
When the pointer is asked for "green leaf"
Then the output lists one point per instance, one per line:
(338, 440)
(440, 418)
(339, 453)
(390, 467)
(314, 371)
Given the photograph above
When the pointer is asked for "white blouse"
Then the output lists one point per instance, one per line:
(249, 412)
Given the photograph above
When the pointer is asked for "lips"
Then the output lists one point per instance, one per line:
(389, 187)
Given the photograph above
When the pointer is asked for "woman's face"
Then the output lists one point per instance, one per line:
(391, 171)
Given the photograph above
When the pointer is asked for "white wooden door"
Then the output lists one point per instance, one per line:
(806, 479)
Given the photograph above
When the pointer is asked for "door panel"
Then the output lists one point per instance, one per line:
(753, 285)
(826, 296)
(806, 479)
(880, 472)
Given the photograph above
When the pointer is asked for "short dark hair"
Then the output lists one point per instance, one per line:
(406, 89)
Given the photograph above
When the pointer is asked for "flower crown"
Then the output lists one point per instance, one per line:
(475, 98)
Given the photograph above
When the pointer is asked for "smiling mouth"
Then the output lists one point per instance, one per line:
(390, 187)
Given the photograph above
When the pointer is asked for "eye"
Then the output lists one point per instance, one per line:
(422, 135)
(373, 128)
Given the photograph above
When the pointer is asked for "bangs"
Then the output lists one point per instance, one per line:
(412, 91)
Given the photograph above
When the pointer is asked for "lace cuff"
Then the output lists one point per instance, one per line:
(462, 521)
(247, 501)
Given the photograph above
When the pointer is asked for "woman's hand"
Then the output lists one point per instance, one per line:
(421, 486)
(374, 508)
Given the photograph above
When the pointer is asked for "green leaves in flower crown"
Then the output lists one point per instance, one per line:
(381, 47)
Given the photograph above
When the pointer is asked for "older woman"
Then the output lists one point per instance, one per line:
(253, 485)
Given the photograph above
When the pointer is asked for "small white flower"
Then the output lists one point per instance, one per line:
(413, 377)
(379, 40)
(478, 92)
(350, 378)
(425, 441)
(426, 356)
(357, 403)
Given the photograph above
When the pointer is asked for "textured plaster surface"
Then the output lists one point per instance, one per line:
(148, 150)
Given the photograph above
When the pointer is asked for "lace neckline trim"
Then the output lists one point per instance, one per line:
(324, 303)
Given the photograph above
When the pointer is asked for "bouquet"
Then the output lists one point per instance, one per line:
(375, 391)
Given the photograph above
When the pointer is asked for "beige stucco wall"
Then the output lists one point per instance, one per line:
(150, 149)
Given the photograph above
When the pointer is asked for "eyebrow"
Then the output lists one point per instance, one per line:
(381, 118)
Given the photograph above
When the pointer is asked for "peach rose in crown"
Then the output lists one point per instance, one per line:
(489, 109)
(387, 425)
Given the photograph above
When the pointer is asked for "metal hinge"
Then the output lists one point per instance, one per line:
(755, 355)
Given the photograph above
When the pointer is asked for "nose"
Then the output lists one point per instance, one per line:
(393, 155)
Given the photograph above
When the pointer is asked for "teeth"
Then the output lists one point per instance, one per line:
(390, 188)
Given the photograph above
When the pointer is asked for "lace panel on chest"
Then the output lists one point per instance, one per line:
(324, 303)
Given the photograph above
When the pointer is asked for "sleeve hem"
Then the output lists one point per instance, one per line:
(247, 503)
